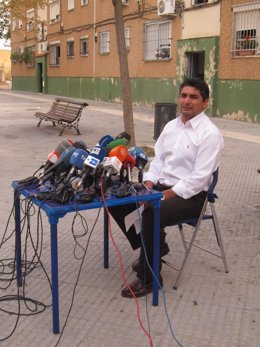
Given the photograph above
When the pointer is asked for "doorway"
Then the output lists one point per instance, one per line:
(40, 77)
(196, 63)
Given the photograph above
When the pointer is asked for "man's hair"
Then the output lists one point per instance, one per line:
(197, 84)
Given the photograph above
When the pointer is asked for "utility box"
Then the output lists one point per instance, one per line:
(164, 112)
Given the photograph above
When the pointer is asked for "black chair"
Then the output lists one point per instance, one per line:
(196, 223)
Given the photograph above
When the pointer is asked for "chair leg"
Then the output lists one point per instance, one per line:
(190, 245)
(182, 237)
(218, 236)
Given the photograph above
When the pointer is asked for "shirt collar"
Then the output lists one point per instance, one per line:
(195, 121)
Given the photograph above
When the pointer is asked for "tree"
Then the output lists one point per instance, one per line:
(124, 71)
(15, 9)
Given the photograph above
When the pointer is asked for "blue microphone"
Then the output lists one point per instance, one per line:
(76, 161)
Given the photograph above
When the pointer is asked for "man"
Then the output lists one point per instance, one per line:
(186, 154)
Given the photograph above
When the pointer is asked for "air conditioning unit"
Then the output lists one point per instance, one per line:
(125, 2)
(42, 47)
(165, 7)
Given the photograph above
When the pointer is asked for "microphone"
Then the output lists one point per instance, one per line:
(80, 144)
(120, 152)
(112, 165)
(92, 161)
(124, 135)
(55, 154)
(76, 161)
(116, 143)
(140, 158)
(58, 166)
(105, 140)
(128, 164)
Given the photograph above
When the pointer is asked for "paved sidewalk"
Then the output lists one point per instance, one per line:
(209, 309)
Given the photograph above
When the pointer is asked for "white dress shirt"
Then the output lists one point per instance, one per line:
(186, 155)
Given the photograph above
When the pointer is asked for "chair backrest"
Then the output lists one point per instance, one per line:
(210, 194)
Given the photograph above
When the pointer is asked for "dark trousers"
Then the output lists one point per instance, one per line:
(171, 212)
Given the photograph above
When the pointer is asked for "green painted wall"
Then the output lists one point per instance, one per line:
(239, 100)
(24, 83)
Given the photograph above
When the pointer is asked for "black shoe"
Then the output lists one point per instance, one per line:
(164, 250)
(139, 288)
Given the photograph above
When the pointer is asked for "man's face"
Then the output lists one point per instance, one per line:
(191, 103)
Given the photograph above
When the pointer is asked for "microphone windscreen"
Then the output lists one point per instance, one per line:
(116, 143)
(78, 157)
(124, 135)
(140, 156)
(105, 140)
(62, 146)
(120, 152)
(80, 144)
(129, 162)
(96, 155)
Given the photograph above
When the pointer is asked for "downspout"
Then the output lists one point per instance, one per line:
(95, 40)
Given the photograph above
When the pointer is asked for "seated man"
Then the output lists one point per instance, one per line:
(186, 154)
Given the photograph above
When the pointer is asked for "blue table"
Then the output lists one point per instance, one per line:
(55, 211)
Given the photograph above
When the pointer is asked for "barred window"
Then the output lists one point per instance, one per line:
(54, 54)
(246, 32)
(70, 48)
(83, 46)
(54, 11)
(30, 20)
(104, 42)
(127, 38)
(157, 41)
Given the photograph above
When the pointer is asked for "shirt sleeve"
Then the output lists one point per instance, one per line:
(157, 163)
(207, 161)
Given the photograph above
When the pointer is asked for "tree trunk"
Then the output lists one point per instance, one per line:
(124, 72)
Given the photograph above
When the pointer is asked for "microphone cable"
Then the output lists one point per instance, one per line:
(27, 267)
(157, 280)
(122, 269)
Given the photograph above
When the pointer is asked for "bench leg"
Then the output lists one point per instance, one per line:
(39, 123)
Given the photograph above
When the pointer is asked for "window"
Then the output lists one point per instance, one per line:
(70, 5)
(246, 32)
(13, 24)
(30, 20)
(20, 23)
(54, 54)
(127, 38)
(70, 48)
(84, 46)
(54, 11)
(157, 41)
(197, 2)
(104, 42)
(84, 2)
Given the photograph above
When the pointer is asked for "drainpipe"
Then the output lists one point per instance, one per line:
(94, 41)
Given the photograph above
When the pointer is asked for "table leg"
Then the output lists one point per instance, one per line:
(54, 275)
(106, 241)
(156, 251)
(18, 255)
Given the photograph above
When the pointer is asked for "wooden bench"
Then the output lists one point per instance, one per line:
(64, 112)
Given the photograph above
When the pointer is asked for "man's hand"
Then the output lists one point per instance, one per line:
(168, 194)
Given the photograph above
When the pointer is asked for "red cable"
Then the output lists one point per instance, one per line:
(122, 268)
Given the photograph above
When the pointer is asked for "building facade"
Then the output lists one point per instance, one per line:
(69, 48)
